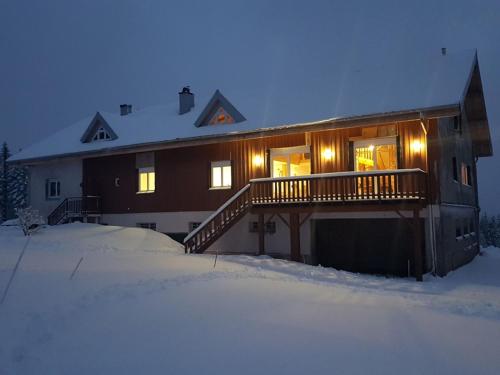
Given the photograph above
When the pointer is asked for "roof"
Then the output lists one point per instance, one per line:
(298, 94)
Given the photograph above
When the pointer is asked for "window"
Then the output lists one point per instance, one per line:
(193, 225)
(466, 175)
(454, 168)
(457, 124)
(151, 226)
(146, 180)
(221, 174)
(458, 231)
(53, 189)
(101, 135)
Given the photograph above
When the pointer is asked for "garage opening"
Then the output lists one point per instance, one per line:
(375, 246)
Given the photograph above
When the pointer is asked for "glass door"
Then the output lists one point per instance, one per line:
(376, 154)
(289, 162)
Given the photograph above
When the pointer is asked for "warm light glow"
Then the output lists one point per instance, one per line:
(258, 160)
(328, 153)
(146, 180)
(416, 146)
(371, 147)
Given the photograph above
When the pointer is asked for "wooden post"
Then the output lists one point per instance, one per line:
(417, 230)
(262, 249)
(295, 237)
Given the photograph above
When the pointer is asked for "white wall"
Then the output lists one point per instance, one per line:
(68, 172)
(239, 239)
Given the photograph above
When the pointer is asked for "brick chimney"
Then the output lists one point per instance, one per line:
(125, 109)
(186, 100)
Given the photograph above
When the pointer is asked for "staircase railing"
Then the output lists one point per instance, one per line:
(75, 207)
(219, 222)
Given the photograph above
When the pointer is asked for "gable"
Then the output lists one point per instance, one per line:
(98, 130)
(219, 111)
(475, 110)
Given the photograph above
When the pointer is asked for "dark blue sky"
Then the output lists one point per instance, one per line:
(63, 60)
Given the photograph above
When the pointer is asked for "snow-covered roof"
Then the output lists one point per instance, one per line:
(296, 94)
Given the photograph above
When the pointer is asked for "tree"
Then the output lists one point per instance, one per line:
(13, 186)
(4, 172)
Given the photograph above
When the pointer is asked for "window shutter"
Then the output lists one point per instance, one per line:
(46, 189)
(351, 156)
(398, 152)
(145, 160)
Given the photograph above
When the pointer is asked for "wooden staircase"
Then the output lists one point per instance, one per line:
(75, 208)
(219, 222)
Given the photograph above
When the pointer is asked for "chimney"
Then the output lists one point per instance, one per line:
(186, 100)
(125, 109)
(443, 51)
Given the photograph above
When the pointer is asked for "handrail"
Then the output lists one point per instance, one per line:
(73, 206)
(338, 174)
(219, 210)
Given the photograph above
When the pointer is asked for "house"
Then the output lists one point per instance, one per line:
(375, 172)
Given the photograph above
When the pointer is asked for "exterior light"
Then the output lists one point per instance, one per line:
(371, 147)
(328, 153)
(258, 160)
(416, 146)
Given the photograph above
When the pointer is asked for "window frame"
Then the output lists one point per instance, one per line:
(148, 171)
(147, 225)
(101, 131)
(465, 174)
(57, 183)
(454, 167)
(221, 164)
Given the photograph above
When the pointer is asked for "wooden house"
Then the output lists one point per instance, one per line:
(379, 179)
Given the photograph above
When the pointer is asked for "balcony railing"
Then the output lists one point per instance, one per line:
(401, 184)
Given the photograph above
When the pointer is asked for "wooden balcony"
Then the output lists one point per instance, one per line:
(318, 189)
(341, 187)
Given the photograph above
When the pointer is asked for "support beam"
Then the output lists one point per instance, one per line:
(417, 255)
(295, 237)
(262, 249)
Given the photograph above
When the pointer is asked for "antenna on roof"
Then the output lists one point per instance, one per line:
(443, 51)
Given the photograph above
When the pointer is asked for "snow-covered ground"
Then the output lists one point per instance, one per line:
(137, 304)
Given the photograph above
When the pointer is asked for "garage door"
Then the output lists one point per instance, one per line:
(379, 246)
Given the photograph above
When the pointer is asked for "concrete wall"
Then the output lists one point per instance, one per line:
(454, 251)
(68, 172)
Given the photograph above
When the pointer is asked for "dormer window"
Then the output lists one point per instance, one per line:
(98, 130)
(101, 135)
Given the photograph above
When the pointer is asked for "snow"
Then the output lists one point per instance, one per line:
(302, 91)
(138, 304)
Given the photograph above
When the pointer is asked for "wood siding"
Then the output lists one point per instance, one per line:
(183, 174)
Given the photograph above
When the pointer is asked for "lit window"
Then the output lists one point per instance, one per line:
(146, 180)
(221, 174)
(101, 135)
(466, 175)
(53, 188)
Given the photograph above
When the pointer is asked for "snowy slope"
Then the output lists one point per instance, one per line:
(139, 305)
(307, 90)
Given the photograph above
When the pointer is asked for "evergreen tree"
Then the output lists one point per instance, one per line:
(483, 230)
(4, 171)
(13, 186)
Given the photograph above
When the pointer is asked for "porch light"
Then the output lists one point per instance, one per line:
(371, 147)
(258, 160)
(328, 153)
(416, 146)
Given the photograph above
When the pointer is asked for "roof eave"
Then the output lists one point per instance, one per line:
(327, 124)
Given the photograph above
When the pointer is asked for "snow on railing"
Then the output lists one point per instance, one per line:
(338, 174)
(218, 212)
